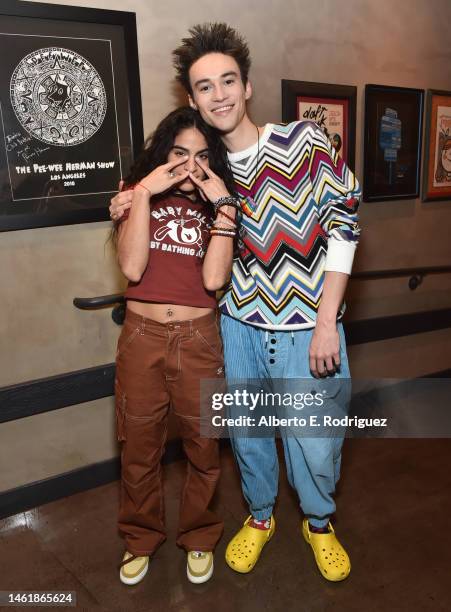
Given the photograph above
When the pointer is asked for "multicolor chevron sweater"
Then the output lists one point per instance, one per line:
(299, 220)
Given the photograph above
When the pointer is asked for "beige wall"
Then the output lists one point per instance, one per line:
(351, 42)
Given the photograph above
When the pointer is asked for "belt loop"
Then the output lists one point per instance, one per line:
(191, 329)
(143, 325)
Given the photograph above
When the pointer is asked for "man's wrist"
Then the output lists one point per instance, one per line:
(326, 320)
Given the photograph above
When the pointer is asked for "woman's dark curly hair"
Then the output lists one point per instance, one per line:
(158, 146)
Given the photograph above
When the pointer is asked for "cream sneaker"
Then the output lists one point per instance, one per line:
(133, 569)
(199, 567)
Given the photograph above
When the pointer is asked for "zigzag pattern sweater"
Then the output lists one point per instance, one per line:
(301, 220)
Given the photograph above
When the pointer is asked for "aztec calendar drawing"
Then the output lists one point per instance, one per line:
(58, 96)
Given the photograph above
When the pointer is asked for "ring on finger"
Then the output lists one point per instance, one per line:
(171, 174)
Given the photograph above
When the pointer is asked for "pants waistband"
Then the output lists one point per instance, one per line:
(186, 327)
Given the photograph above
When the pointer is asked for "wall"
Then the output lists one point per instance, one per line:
(404, 43)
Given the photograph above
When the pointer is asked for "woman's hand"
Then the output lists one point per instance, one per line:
(159, 180)
(163, 178)
(212, 187)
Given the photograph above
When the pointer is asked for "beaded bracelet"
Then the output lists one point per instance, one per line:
(227, 200)
(222, 229)
(218, 221)
(222, 233)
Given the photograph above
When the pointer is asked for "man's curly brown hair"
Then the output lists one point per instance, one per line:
(210, 38)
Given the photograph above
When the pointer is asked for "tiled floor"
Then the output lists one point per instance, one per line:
(394, 507)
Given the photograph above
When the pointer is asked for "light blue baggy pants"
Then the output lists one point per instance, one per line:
(313, 464)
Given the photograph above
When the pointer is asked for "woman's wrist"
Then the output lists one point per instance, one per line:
(141, 187)
(229, 211)
(141, 195)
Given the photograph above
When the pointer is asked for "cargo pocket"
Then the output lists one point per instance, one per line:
(125, 340)
(120, 403)
(215, 346)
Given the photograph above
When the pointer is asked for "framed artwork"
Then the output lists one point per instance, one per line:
(392, 145)
(332, 107)
(437, 162)
(70, 112)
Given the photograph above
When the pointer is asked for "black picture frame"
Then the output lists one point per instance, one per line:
(299, 96)
(392, 142)
(437, 147)
(71, 116)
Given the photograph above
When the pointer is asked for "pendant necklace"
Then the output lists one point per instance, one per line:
(249, 205)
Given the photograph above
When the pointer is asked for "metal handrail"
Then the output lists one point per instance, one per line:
(99, 301)
(116, 299)
(416, 278)
(402, 272)
(416, 274)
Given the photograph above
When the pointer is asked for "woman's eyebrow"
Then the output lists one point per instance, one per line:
(187, 150)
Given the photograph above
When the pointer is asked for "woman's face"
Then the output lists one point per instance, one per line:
(189, 146)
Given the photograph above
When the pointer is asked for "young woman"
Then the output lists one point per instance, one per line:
(170, 340)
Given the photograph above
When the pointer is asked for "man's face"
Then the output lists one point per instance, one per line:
(218, 91)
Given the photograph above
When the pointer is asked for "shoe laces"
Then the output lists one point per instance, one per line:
(198, 554)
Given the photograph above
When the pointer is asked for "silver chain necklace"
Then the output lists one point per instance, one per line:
(249, 204)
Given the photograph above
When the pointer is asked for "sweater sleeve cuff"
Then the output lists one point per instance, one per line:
(340, 255)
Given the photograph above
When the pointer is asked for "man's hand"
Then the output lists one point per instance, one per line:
(324, 352)
(120, 202)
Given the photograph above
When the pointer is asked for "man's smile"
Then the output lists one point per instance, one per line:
(222, 109)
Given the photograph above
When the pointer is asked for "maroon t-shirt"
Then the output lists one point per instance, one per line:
(179, 235)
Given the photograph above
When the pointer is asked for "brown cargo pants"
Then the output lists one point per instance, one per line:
(157, 366)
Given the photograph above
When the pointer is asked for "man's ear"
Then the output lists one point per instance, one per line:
(191, 102)
(248, 91)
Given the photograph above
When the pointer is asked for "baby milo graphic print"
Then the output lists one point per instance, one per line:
(179, 229)
(178, 240)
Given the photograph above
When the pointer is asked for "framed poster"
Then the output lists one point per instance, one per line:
(437, 162)
(70, 112)
(332, 107)
(392, 149)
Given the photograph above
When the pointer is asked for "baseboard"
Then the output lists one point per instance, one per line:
(50, 489)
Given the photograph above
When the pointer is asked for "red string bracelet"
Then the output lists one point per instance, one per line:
(224, 214)
(144, 187)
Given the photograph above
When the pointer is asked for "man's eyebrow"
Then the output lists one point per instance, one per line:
(207, 80)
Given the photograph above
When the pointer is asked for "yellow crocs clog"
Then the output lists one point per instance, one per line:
(244, 549)
(331, 558)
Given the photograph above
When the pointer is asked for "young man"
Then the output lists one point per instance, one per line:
(299, 202)
(282, 308)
